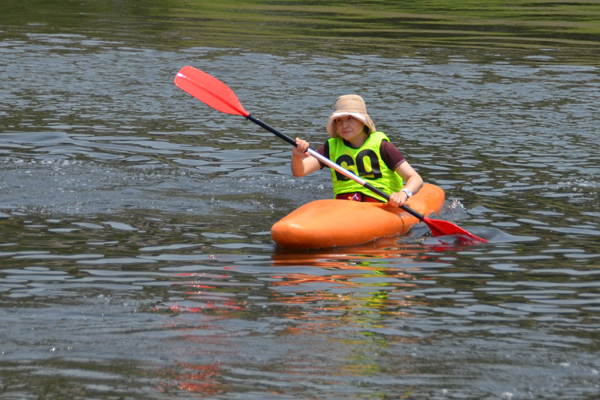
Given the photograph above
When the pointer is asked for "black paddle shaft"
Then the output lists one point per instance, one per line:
(342, 170)
(272, 130)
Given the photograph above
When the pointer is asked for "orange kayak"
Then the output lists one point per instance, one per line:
(328, 223)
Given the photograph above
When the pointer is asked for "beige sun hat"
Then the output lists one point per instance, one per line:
(349, 105)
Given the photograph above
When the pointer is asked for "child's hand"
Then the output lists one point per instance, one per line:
(300, 149)
(397, 199)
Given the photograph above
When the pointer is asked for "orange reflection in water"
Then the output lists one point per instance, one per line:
(336, 282)
(199, 379)
(328, 300)
(335, 290)
(379, 249)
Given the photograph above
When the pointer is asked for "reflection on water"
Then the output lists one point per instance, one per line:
(394, 315)
(136, 259)
(540, 31)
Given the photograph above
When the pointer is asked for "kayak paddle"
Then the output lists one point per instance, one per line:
(219, 96)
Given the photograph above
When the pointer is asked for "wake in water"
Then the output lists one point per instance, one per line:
(454, 211)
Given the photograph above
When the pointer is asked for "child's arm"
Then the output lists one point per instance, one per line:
(412, 182)
(303, 164)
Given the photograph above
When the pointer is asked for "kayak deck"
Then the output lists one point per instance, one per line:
(329, 223)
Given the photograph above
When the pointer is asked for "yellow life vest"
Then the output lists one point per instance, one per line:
(366, 162)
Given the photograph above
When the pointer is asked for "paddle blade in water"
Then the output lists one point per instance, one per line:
(445, 228)
(209, 90)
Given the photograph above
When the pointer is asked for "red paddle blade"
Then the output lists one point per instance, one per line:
(209, 90)
(444, 228)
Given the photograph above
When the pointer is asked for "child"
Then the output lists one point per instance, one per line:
(357, 146)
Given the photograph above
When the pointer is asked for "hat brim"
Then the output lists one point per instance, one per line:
(331, 129)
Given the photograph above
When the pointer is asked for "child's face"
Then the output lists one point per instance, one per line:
(348, 127)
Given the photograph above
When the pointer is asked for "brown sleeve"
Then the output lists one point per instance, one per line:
(324, 151)
(391, 155)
